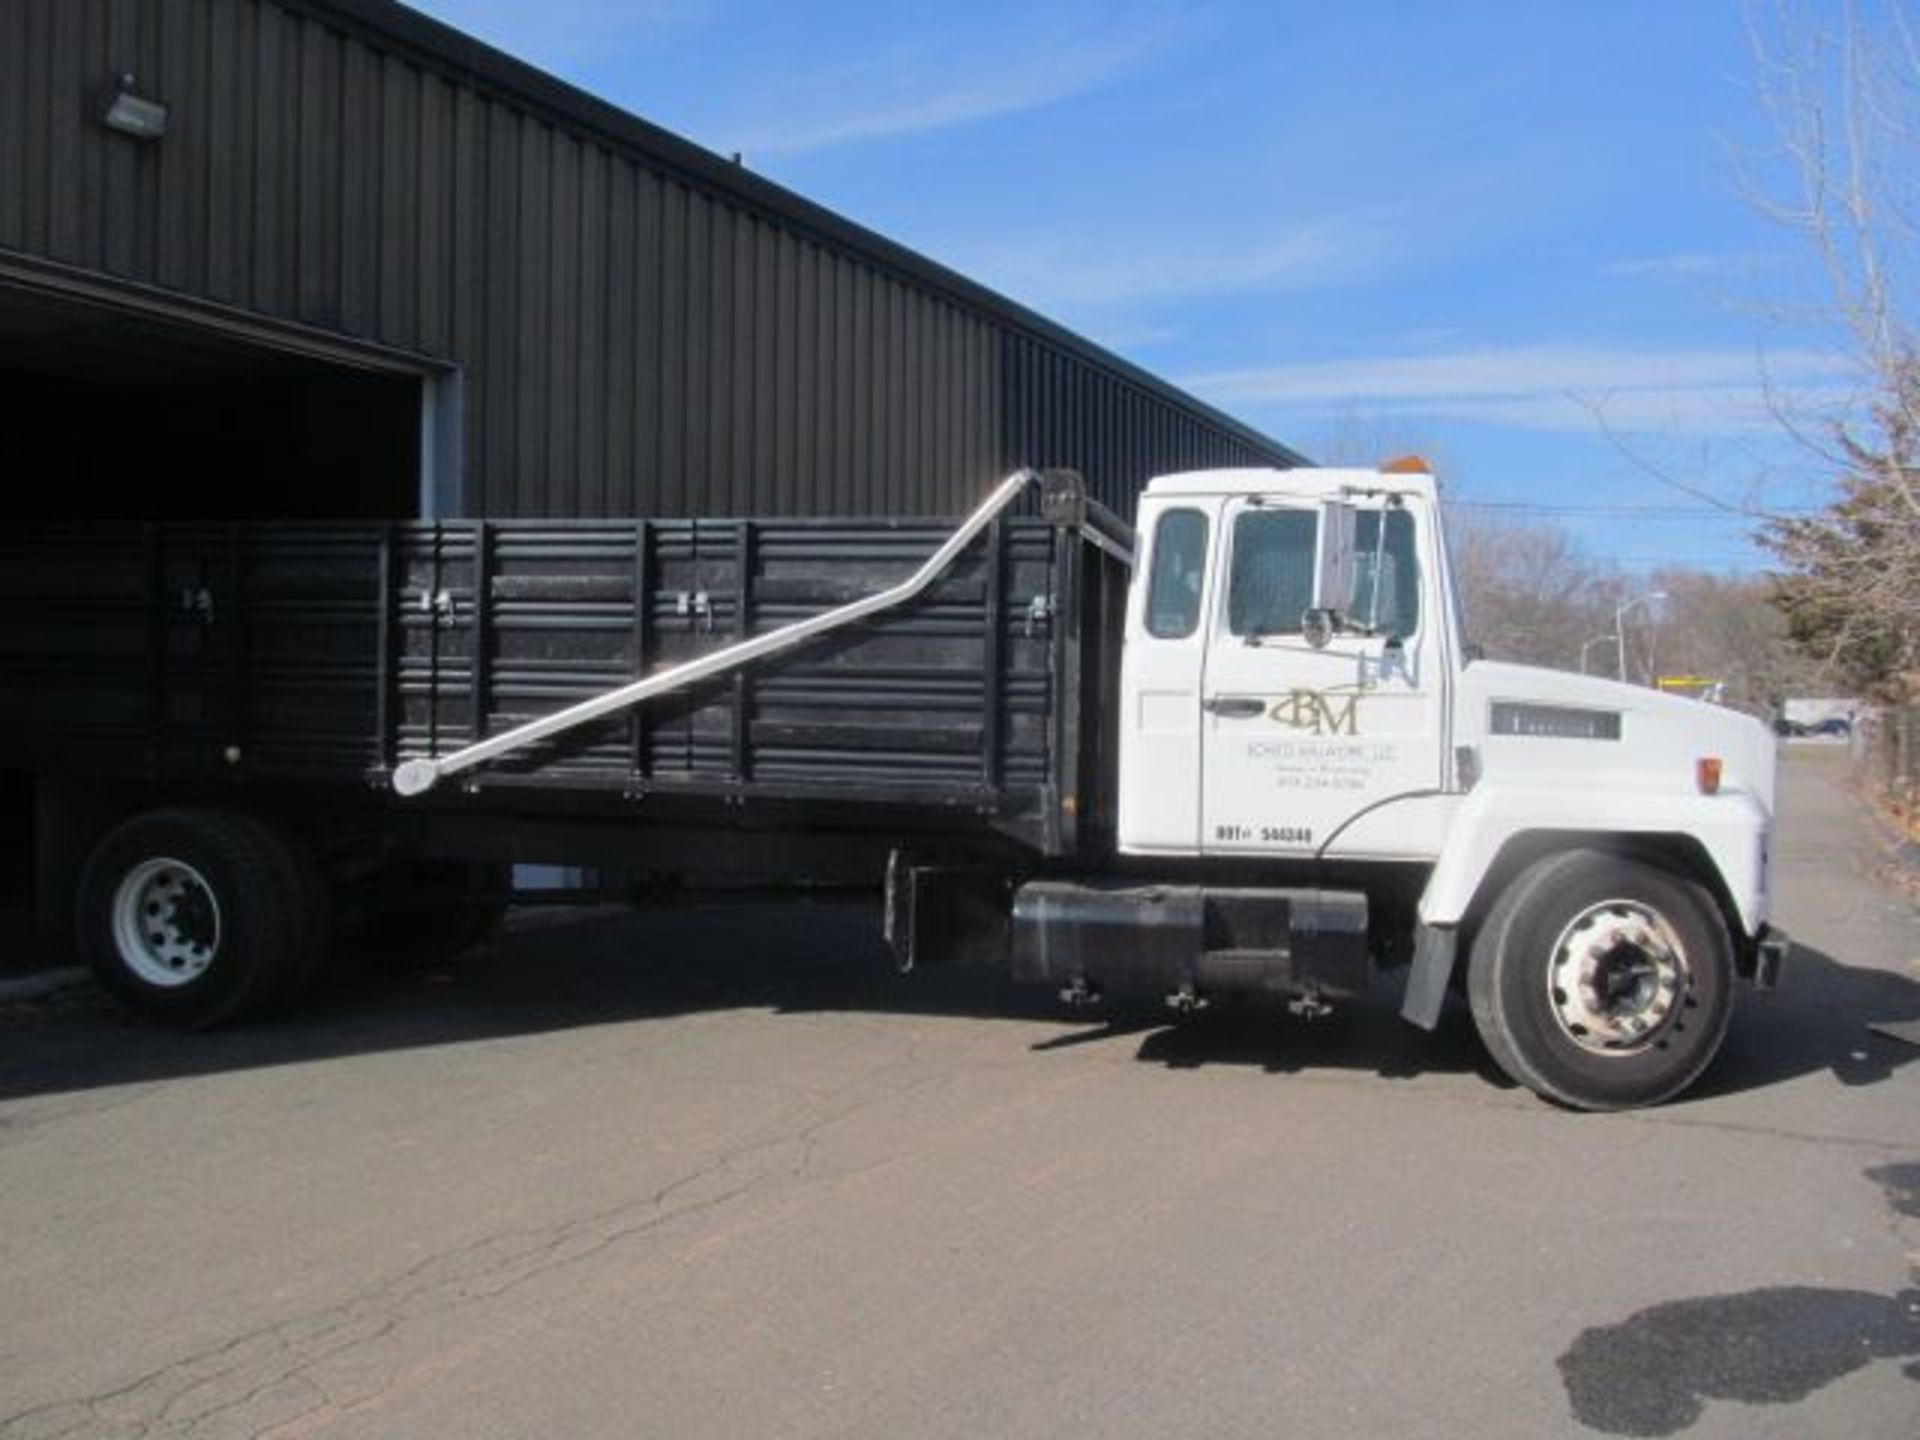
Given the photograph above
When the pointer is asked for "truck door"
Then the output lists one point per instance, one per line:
(1160, 678)
(1297, 740)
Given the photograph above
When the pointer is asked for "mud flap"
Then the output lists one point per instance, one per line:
(1428, 976)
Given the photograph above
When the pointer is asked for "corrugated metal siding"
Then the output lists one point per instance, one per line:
(633, 341)
(1061, 411)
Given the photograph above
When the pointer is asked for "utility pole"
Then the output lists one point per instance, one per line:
(1620, 629)
(1586, 645)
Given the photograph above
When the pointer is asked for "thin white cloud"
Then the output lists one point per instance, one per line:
(1703, 411)
(1144, 335)
(1040, 82)
(1692, 268)
(1084, 271)
(936, 82)
(1555, 387)
(561, 34)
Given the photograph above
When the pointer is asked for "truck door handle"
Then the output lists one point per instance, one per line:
(1235, 707)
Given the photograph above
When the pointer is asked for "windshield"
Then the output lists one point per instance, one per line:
(1271, 584)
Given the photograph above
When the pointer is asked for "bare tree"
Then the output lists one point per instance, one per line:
(1532, 594)
(1725, 630)
(1356, 438)
(1529, 593)
(1842, 89)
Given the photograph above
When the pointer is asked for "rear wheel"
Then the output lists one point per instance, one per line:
(422, 913)
(308, 963)
(1601, 982)
(191, 917)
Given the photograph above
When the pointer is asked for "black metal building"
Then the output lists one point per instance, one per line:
(310, 258)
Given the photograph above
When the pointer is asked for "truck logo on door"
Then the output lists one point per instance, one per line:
(1317, 712)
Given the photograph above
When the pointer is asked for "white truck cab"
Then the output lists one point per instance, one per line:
(1296, 684)
(1297, 694)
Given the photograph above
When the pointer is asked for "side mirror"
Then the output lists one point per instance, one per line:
(1316, 627)
(1334, 567)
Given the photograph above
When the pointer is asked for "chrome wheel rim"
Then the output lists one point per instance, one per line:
(166, 922)
(1619, 982)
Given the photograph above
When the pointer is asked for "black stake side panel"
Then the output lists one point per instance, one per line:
(322, 654)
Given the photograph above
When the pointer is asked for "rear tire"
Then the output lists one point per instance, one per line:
(427, 912)
(192, 917)
(311, 959)
(1600, 982)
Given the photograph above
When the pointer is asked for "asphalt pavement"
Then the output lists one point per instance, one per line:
(719, 1172)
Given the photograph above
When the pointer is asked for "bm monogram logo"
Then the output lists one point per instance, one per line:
(1317, 713)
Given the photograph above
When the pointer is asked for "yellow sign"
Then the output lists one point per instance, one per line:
(1691, 687)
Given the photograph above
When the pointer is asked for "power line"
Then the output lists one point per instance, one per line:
(1638, 512)
(1673, 562)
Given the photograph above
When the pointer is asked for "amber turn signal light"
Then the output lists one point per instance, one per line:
(1706, 770)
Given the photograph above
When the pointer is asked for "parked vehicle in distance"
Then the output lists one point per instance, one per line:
(1250, 756)
(1832, 727)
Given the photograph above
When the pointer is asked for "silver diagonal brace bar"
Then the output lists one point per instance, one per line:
(414, 777)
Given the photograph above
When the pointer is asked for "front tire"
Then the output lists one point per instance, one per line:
(1600, 982)
(191, 917)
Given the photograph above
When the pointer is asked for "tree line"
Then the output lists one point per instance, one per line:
(1533, 595)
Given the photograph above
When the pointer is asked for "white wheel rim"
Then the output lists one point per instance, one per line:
(1618, 982)
(166, 922)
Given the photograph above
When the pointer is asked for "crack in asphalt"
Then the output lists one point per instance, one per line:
(189, 1397)
(182, 1397)
(22, 1125)
(1660, 1121)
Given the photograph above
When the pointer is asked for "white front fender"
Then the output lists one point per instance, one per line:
(1731, 827)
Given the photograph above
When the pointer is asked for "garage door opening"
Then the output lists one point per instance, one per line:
(112, 413)
(108, 413)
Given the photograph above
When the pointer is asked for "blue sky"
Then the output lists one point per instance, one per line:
(1520, 236)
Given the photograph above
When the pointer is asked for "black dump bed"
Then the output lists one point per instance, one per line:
(320, 656)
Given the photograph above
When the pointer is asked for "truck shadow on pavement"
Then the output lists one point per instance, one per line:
(551, 973)
(1364, 1035)
(1817, 1020)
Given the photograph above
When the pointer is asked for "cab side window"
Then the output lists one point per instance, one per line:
(1272, 578)
(1179, 567)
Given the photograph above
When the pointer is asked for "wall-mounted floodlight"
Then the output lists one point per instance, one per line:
(134, 114)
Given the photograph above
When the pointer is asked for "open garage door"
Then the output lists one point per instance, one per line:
(110, 413)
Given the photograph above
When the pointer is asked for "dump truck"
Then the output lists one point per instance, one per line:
(1244, 750)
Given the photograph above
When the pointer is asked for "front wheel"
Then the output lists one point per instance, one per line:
(1601, 982)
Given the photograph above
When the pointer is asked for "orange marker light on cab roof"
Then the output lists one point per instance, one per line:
(1706, 770)
(1406, 465)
